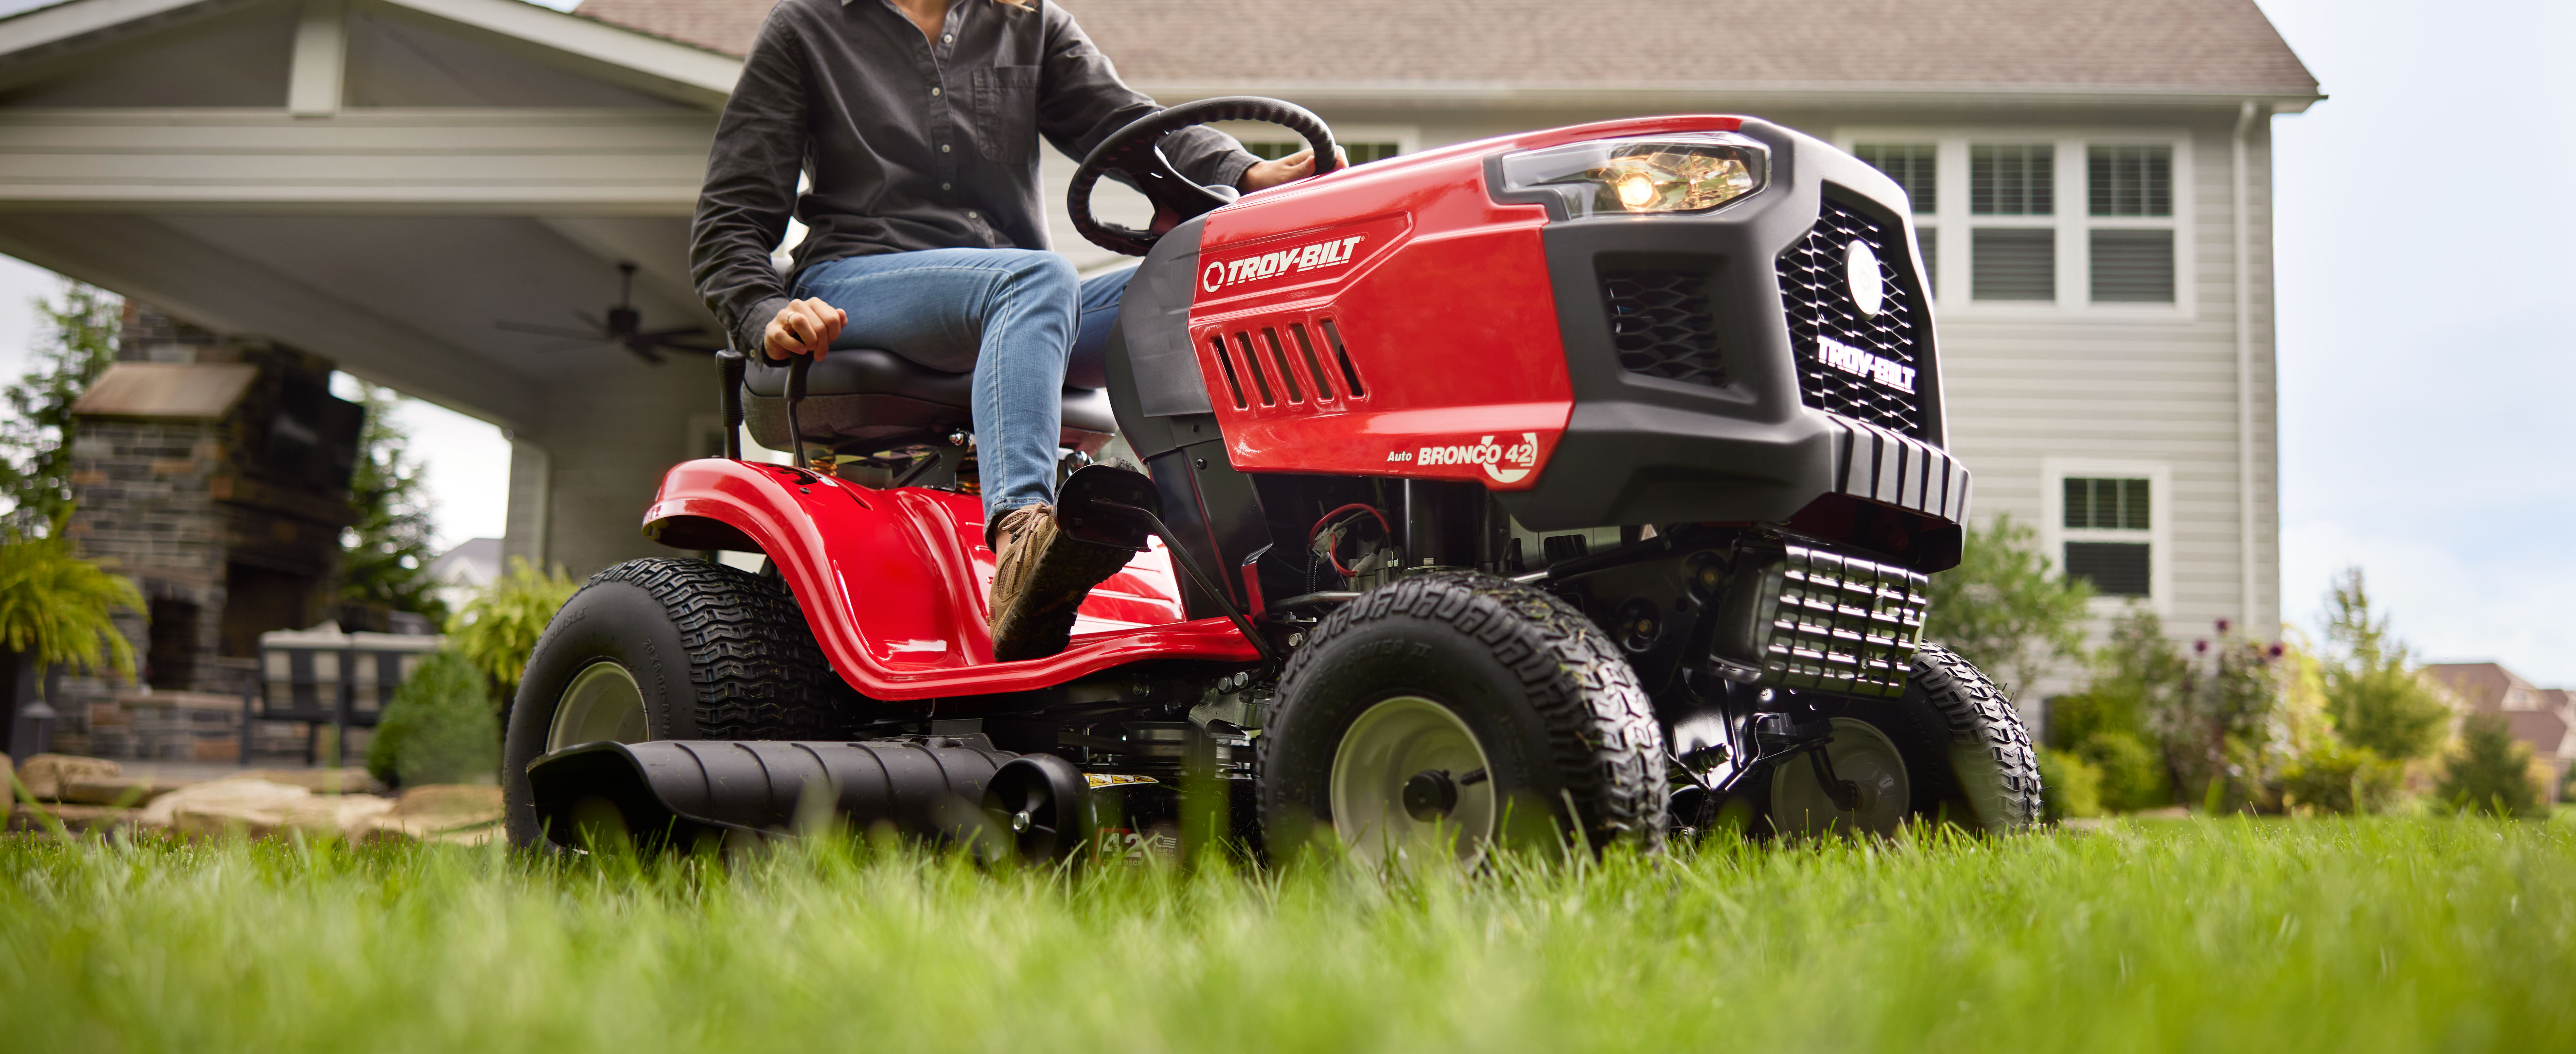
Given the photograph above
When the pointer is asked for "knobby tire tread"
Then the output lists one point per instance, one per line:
(1603, 737)
(1976, 713)
(753, 663)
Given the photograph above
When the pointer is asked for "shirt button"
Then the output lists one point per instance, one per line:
(943, 186)
(934, 93)
(943, 148)
(970, 214)
(947, 37)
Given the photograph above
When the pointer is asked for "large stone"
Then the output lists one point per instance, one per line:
(458, 813)
(74, 818)
(259, 808)
(45, 774)
(117, 790)
(350, 780)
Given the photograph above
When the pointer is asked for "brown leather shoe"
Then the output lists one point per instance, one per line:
(1040, 580)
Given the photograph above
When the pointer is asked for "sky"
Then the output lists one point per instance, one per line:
(2421, 254)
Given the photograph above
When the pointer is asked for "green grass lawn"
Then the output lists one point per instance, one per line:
(2177, 936)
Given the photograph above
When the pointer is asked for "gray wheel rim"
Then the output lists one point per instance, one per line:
(1390, 743)
(1861, 754)
(602, 704)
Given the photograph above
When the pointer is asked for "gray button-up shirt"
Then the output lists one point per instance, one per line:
(909, 143)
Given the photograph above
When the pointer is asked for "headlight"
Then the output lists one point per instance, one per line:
(1681, 172)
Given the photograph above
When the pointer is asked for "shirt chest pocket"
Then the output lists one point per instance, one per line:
(1006, 112)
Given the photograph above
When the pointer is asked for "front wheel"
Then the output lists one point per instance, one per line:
(665, 648)
(1951, 750)
(1453, 712)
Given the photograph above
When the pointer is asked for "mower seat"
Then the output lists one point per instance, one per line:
(862, 401)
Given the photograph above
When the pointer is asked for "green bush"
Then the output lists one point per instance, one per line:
(58, 609)
(2005, 609)
(438, 728)
(2133, 775)
(2374, 691)
(2491, 772)
(498, 628)
(2337, 778)
(2070, 785)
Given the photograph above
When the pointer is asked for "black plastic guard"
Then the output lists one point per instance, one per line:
(687, 793)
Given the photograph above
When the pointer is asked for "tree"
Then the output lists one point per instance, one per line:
(2491, 773)
(2004, 609)
(55, 607)
(385, 557)
(2377, 696)
(498, 628)
(78, 344)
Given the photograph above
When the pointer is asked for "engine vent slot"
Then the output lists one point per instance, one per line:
(1861, 366)
(1662, 324)
(1252, 361)
(1225, 362)
(1287, 373)
(1342, 355)
(1314, 369)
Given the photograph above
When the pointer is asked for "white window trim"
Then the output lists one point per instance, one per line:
(2073, 220)
(2054, 534)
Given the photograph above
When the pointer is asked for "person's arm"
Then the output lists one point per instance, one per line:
(749, 194)
(1081, 100)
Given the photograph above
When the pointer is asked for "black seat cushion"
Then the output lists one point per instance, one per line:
(882, 398)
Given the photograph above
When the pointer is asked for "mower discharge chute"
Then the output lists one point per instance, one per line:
(1566, 489)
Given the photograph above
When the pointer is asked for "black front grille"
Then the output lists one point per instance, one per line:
(1661, 323)
(1871, 376)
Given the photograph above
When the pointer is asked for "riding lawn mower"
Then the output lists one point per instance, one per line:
(1564, 490)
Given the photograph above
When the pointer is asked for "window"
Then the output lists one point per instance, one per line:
(2012, 180)
(1914, 166)
(2060, 221)
(2108, 522)
(1359, 153)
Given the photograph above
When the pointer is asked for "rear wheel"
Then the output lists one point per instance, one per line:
(666, 648)
(1952, 750)
(1451, 713)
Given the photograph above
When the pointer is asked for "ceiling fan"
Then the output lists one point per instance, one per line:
(623, 327)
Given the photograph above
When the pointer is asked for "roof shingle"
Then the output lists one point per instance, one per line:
(2180, 47)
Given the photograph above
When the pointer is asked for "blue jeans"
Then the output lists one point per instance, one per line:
(1018, 319)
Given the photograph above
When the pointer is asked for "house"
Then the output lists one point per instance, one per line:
(380, 181)
(464, 570)
(2542, 717)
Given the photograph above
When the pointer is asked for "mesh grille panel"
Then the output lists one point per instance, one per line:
(1661, 323)
(1870, 374)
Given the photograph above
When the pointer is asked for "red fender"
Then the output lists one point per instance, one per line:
(894, 582)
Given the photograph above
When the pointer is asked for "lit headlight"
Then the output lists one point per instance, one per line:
(1681, 172)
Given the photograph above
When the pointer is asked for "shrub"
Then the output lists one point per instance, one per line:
(2491, 772)
(2133, 776)
(438, 728)
(499, 627)
(2004, 609)
(2070, 785)
(2333, 777)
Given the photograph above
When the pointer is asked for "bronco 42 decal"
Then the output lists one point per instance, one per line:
(1503, 464)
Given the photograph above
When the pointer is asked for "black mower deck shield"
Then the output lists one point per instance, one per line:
(683, 791)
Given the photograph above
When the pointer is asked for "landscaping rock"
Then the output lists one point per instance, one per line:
(256, 808)
(455, 813)
(117, 790)
(76, 819)
(45, 774)
(350, 780)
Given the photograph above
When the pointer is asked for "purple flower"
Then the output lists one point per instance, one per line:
(2201, 646)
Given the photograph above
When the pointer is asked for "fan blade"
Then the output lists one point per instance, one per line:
(596, 324)
(570, 345)
(682, 345)
(675, 331)
(549, 331)
(645, 352)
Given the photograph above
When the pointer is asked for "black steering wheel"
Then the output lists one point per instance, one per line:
(1137, 151)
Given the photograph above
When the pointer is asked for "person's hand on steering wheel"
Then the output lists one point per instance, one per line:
(1264, 175)
(803, 327)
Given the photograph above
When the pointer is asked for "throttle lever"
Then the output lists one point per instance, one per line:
(796, 367)
(729, 368)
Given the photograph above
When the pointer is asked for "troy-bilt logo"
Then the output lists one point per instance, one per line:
(1854, 361)
(1483, 453)
(1222, 273)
